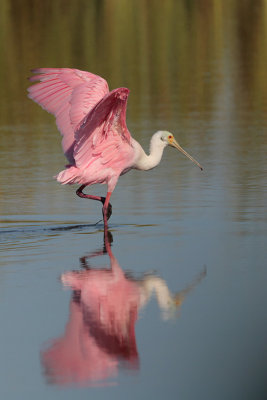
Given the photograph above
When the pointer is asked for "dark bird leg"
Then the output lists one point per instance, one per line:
(107, 207)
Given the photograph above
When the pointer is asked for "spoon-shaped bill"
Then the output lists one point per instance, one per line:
(178, 147)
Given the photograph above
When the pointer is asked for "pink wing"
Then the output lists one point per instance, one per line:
(103, 134)
(68, 94)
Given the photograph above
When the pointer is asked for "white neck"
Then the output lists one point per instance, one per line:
(144, 161)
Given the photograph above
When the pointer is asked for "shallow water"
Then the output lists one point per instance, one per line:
(175, 307)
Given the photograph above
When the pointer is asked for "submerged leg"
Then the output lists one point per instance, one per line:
(107, 208)
(104, 200)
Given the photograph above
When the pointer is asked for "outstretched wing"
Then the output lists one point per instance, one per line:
(103, 134)
(68, 94)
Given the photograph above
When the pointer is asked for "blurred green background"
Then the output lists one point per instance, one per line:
(148, 45)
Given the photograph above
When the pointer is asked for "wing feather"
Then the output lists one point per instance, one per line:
(68, 94)
(103, 134)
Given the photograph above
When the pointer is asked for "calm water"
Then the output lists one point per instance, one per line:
(186, 270)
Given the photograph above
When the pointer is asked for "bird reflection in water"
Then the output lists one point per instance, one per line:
(99, 337)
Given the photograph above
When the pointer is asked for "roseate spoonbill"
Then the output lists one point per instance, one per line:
(92, 121)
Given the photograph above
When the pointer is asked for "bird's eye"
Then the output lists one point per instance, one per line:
(170, 137)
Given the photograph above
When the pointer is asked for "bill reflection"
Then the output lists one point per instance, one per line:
(99, 338)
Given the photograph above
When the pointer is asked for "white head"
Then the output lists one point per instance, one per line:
(165, 138)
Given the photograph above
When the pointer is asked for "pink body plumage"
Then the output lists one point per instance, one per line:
(92, 121)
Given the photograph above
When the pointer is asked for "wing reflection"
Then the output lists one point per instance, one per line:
(99, 337)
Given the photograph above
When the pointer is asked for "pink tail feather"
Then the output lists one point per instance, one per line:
(69, 176)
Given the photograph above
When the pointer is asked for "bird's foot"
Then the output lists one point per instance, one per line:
(107, 211)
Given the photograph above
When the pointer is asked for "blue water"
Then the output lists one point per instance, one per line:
(211, 345)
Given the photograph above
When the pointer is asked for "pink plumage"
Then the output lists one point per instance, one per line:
(92, 121)
(90, 118)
